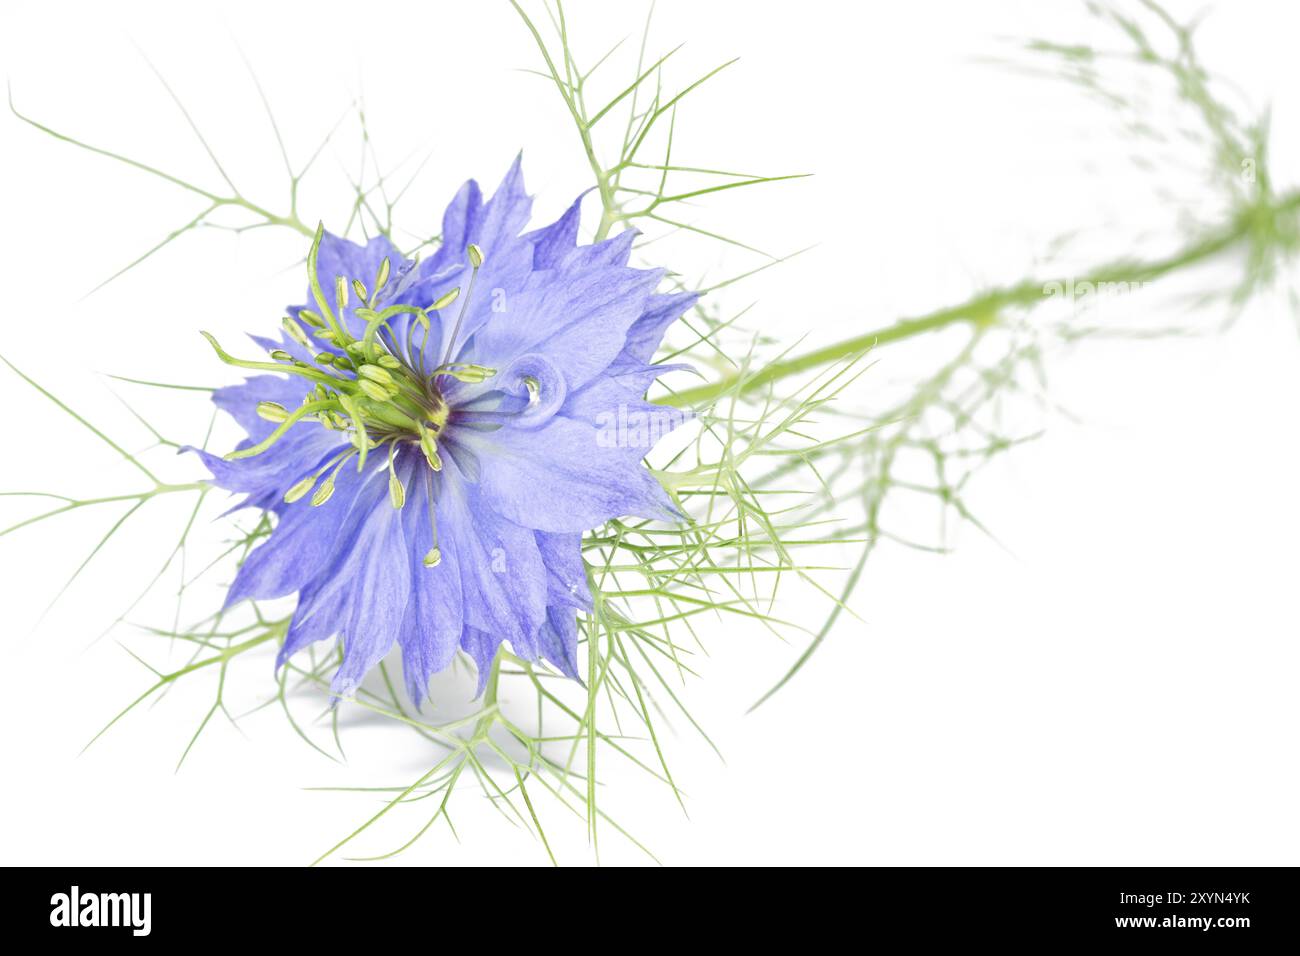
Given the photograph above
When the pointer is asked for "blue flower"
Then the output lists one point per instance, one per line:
(443, 438)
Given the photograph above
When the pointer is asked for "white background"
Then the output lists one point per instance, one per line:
(1112, 684)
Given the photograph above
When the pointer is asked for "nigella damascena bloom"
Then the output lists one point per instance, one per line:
(433, 454)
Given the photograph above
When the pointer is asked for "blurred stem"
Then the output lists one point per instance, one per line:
(573, 99)
(983, 309)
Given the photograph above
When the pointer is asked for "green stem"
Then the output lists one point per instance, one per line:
(983, 309)
(572, 98)
(74, 504)
(489, 712)
(291, 221)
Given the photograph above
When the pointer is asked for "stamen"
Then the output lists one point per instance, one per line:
(326, 490)
(272, 411)
(445, 300)
(360, 290)
(381, 278)
(475, 260)
(396, 490)
(373, 390)
(430, 448)
(434, 556)
(472, 374)
(359, 437)
(376, 374)
(417, 363)
(323, 493)
(295, 332)
(341, 292)
(300, 489)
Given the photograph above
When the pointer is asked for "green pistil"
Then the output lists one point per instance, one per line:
(293, 418)
(318, 293)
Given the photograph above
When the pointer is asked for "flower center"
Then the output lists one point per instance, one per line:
(376, 387)
(378, 390)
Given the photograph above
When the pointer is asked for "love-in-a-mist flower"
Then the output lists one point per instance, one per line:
(435, 451)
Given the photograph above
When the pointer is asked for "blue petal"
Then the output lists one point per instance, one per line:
(577, 320)
(506, 213)
(381, 579)
(267, 476)
(622, 417)
(240, 401)
(299, 547)
(609, 253)
(432, 278)
(661, 311)
(364, 588)
(508, 261)
(432, 625)
(482, 647)
(566, 577)
(460, 220)
(552, 243)
(503, 580)
(636, 376)
(559, 640)
(306, 629)
(565, 476)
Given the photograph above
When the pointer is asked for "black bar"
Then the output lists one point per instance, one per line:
(1178, 906)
